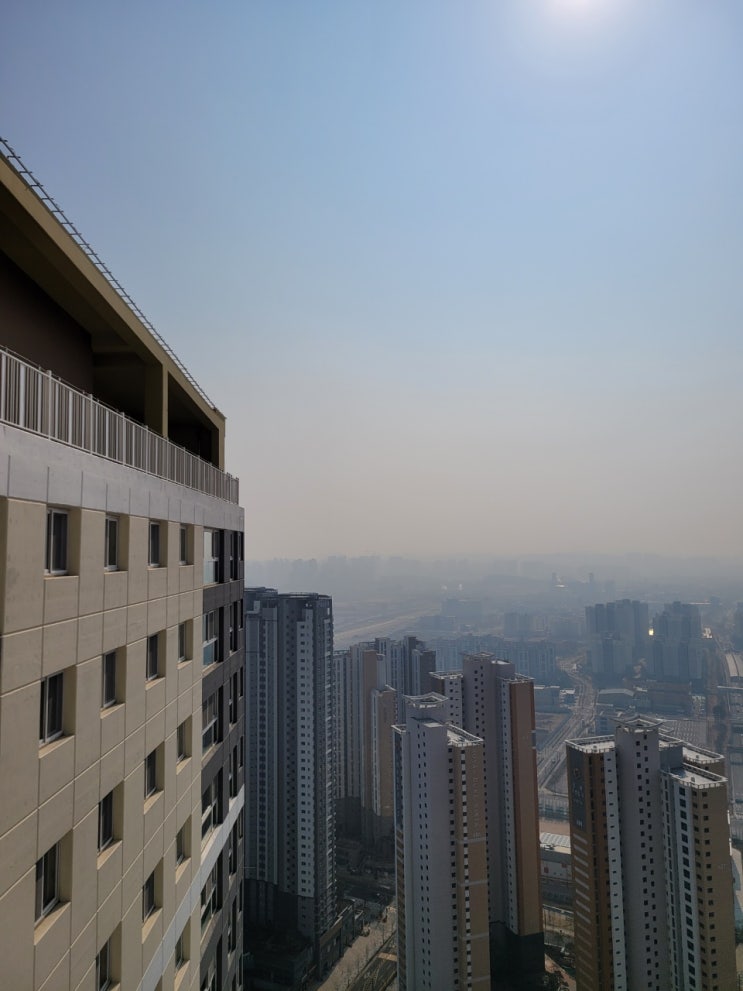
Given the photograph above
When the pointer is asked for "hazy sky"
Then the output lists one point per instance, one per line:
(477, 266)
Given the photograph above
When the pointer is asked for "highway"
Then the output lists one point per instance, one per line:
(580, 722)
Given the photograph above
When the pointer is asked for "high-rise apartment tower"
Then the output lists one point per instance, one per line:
(652, 874)
(366, 709)
(441, 855)
(498, 706)
(290, 846)
(121, 574)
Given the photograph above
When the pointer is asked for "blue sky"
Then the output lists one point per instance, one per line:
(477, 266)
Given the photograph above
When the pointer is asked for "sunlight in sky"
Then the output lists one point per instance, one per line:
(581, 6)
(574, 4)
(420, 232)
(593, 13)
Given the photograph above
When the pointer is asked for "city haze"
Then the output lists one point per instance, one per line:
(478, 266)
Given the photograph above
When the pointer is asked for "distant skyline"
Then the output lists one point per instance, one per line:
(478, 265)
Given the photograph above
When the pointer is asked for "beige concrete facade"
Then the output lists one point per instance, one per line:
(596, 866)
(51, 791)
(498, 706)
(653, 901)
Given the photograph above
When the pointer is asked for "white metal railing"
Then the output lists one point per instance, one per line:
(35, 400)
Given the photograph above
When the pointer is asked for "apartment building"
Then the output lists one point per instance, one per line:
(653, 888)
(441, 851)
(498, 706)
(366, 709)
(290, 772)
(121, 574)
(407, 665)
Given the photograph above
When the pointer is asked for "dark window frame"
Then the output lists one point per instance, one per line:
(150, 774)
(211, 640)
(51, 708)
(211, 569)
(103, 979)
(152, 663)
(108, 680)
(181, 846)
(111, 544)
(182, 745)
(105, 822)
(211, 729)
(154, 545)
(47, 882)
(148, 897)
(57, 542)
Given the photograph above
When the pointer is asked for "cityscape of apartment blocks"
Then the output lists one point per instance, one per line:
(123, 641)
(481, 718)
(202, 750)
(622, 640)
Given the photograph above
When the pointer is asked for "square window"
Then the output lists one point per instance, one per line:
(150, 774)
(154, 559)
(56, 542)
(103, 967)
(148, 897)
(108, 692)
(47, 882)
(153, 651)
(105, 821)
(111, 550)
(50, 712)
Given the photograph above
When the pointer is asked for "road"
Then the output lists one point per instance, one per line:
(580, 722)
(381, 970)
(371, 959)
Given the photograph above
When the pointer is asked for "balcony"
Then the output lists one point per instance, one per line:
(35, 400)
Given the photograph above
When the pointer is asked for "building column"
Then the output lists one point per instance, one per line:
(156, 399)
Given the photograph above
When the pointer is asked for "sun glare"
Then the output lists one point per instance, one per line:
(574, 5)
(589, 12)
